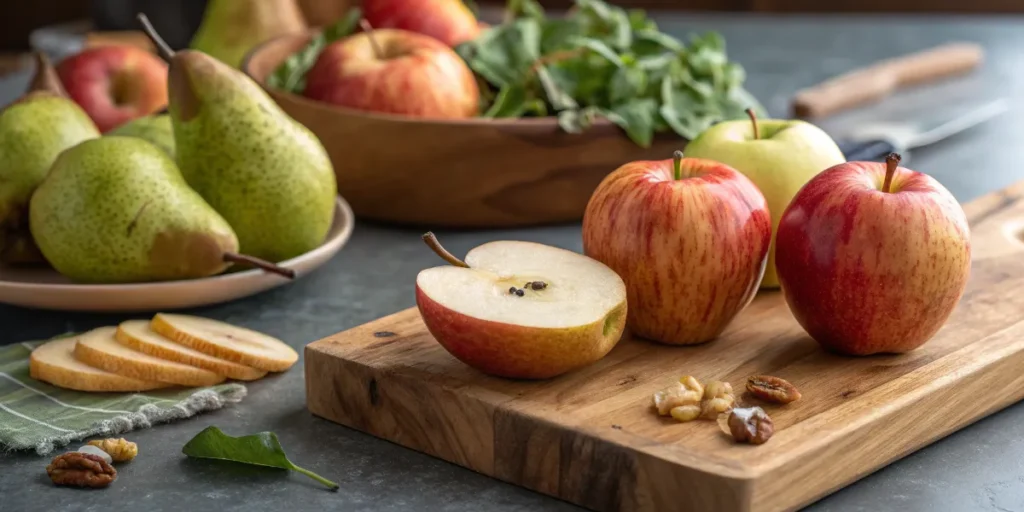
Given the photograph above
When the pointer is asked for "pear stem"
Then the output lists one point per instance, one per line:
(753, 121)
(373, 40)
(233, 257)
(891, 162)
(677, 165)
(165, 51)
(432, 242)
(46, 78)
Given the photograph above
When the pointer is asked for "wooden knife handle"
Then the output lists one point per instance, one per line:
(873, 83)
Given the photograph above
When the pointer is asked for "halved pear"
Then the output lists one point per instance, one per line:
(521, 309)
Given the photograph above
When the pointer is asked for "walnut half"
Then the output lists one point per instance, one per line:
(81, 470)
(121, 450)
(749, 425)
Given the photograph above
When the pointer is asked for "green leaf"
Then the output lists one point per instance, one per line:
(555, 94)
(510, 102)
(637, 118)
(626, 83)
(504, 54)
(516, 9)
(659, 40)
(261, 449)
(290, 75)
(597, 47)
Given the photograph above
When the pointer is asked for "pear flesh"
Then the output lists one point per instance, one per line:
(117, 210)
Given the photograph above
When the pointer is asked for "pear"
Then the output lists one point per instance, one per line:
(264, 172)
(230, 28)
(33, 131)
(156, 129)
(117, 210)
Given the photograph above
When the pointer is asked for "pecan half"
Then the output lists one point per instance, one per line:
(750, 425)
(772, 389)
(81, 470)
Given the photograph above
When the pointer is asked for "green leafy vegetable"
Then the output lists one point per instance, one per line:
(602, 61)
(261, 449)
(291, 74)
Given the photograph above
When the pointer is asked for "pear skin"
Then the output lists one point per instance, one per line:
(117, 210)
(156, 129)
(230, 28)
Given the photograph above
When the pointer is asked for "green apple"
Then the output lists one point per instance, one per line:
(778, 155)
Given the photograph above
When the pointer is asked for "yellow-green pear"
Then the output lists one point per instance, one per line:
(156, 129)
(230, 28)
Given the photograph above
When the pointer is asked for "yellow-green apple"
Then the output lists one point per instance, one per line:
(448, 21)
(779, 156)
(873, 257)
(522, 310)
(689, 236)
(115, 84)
(396, 72)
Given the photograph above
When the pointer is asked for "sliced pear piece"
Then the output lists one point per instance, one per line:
(522, 309)
(138, 335)
(226, 341)
(54, 362)
(99, 349)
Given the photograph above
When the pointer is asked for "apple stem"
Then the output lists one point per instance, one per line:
(677, 165)
(432, 242)
(373, 40)
(232, 257)
(165, 51)
(891, 162)
(753, 121)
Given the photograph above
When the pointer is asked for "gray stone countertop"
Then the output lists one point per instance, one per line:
(978, 468)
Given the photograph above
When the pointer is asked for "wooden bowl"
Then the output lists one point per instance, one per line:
(468, 173)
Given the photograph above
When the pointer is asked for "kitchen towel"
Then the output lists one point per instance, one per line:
(36, 415)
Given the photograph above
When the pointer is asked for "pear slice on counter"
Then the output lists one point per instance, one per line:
(138, 335)
(54, 362)
(100, 349)
(226, 341)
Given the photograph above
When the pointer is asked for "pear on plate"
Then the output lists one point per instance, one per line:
(156, 129)
(230, 28)
(264, 172)
(33, 131)
(778, 155)
(117, 210)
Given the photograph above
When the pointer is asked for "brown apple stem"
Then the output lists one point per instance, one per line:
(165, 51)
(432, 242)
(46, 78)
(377, 50)
(753, 121)
(677, 165)
(891, 162)
(232, 257)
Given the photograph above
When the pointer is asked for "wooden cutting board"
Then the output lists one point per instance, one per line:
(592, 438)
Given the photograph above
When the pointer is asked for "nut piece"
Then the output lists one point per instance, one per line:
(718, 398)
(121, 450)
(772, 389)
(687, 391)
(686, 412)
(750, 425)
(81, 470)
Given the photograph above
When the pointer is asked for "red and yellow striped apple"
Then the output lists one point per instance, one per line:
(449, 21)
(521, 309)
(873, 257)
(690, 238)
(396, 72)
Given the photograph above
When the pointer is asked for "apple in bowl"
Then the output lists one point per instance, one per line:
(690, 238)
(396, 72)
(873, 258)
(522, 310)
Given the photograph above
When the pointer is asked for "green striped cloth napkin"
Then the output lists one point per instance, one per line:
(35, 415)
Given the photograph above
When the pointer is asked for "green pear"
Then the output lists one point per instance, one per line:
(267, 174)
(156, 129)
(33, 131)
(779, 156)
(117, 210)
(230, 28)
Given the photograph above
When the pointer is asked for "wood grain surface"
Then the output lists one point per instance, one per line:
(457, 173)
(592, 438)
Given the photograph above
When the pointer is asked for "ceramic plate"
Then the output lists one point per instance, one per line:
(46, 289)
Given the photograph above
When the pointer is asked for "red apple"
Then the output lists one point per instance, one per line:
(115, 84)
(690, 238)
(396, 72)
(448, 21)
(872, 258)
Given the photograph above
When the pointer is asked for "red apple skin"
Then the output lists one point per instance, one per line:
(692, 251)
(115, 84)
(419, 76)
(515, 351)
(868, 272)
(448, 21)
